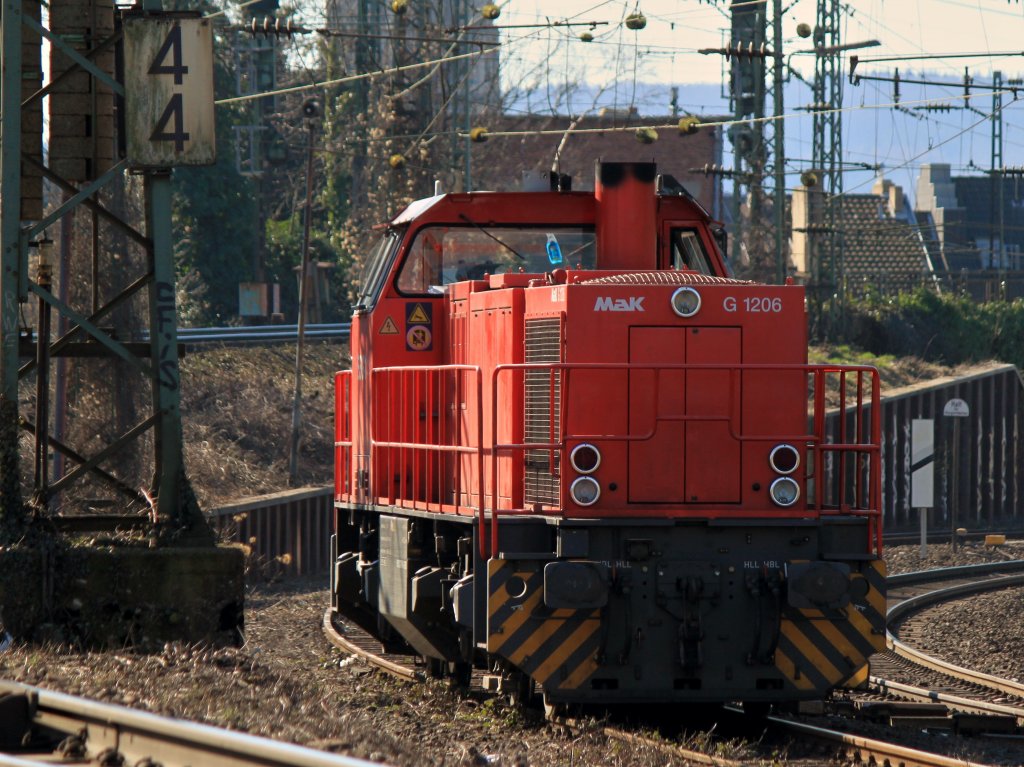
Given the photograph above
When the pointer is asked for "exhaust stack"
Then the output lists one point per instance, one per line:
(626, 215)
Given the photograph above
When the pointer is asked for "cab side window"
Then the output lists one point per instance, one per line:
(688, 251)
(423, 266)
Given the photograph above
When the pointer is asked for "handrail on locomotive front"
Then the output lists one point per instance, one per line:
(342, 432)
(857, 505)
(418, 371)
(814, 440)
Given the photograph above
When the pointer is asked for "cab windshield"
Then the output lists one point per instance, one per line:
(441, 255)
(376, 266)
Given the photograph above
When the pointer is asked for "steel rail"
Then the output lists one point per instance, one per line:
(970, 705)
(948, 573)
(689, 756)
(914, 604)
(336, 638)
(139, 737)
(256, 334)
(872, 751)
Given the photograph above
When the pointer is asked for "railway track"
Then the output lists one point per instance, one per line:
(906, 672)
(351, 639)
(38, 726)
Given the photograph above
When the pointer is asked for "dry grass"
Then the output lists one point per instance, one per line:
(237, 417)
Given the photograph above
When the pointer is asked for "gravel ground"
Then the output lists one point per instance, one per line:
(980, 633)
(287, 682)
(970, 632)
(907, 558)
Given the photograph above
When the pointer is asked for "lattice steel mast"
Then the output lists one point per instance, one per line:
(827, 149)
(156, 361)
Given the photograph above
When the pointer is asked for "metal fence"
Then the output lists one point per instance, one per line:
(979, 481)
(284, 533)
(288, 533)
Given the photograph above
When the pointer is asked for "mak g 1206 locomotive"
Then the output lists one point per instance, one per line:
(573, 450)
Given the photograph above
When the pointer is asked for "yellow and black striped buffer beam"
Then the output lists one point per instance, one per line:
(557, 648)
(820, 650)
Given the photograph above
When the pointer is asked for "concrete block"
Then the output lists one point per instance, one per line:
(118, 596)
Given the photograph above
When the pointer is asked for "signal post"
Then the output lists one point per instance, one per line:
(170, 576)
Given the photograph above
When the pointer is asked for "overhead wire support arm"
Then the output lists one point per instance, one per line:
(855, 60)
(288, 29)
(468, 27)
(856, 79)
(1007, 170)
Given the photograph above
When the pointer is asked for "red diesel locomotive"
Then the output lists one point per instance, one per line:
(572, 450)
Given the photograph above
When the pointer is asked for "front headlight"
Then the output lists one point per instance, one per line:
(784, 491)
(585, 491)
(686, 302)
(784, 459)
(585, 458)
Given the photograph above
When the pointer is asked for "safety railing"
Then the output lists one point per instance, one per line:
(846, 475)
(849, 479)
(419, 436)
(342, 433)
(429, 449)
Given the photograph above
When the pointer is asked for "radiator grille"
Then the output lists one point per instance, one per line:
(543, 344)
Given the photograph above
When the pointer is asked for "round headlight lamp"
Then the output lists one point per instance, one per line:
(585, 458)
(784, 459)
(784, 491)
(585, 491)
(686, 302)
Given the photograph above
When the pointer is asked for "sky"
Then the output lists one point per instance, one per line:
(676, 29)
(622, 68)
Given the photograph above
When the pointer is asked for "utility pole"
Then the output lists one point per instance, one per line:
(311, 110)
(13, 252)
(777, 147)
(827, 152)
(747, 53)
(996, 210)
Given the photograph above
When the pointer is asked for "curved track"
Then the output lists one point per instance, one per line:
(351, 639)
(933, 679)
(64, 729)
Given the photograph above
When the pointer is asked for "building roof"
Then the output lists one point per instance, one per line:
(500, 162)
(878, 245)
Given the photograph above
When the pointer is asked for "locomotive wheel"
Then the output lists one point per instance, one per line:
(437, 668)
(462, 674)
(552, 710)
(520, 689)
(756, 710)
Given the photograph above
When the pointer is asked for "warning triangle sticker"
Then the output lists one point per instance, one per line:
(418, 316)
(389, 328)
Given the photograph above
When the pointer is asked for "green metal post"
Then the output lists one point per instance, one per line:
(468, 116)
(11, 262)
(176, 506)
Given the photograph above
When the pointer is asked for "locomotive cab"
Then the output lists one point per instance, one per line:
(573, 450)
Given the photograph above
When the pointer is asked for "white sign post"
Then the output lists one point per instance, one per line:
(957, 409)
(922, 473)
(168, 91)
